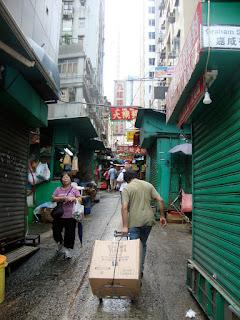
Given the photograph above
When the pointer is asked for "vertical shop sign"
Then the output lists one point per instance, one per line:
(187, 61)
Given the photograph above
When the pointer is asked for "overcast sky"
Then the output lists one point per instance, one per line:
(122, 35)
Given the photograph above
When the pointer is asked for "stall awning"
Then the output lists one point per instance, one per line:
(96, 144)
(81, 126)
(17, 52)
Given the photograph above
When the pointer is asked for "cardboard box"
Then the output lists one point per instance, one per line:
(115, 268)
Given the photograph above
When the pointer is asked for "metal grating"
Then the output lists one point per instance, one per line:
(216, 195)
(13, 178)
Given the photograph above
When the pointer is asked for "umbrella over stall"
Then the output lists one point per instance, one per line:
(185, 148)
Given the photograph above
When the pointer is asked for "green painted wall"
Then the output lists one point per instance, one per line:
(222, 12)
(167, 172)
(63, 135)
(45, 190)
(19, 97)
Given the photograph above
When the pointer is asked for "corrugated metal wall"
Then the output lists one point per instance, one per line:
(153, 166)
(14, 140)
(216, 194)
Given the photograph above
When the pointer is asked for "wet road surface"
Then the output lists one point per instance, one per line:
(48, 287)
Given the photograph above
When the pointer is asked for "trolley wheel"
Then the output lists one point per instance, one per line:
(100, 300)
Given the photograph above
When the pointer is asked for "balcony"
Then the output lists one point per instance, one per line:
(67, 110)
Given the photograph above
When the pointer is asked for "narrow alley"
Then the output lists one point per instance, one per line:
(48, 287)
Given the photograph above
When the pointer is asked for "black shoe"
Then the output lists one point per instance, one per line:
(141, 275)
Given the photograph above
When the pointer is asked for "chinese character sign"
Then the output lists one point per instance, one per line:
(224, 37)
(119, 93)
(131, 150)
(128, 113)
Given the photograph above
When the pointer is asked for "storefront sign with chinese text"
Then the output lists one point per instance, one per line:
(222, 37)
(187, 61)
(196, 94)
(130, 150)
(126, 113)
(119, 93)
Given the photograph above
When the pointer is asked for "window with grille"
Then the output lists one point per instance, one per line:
(151, 22)
(151, 9)
(151, 61)
(151, 74)
(68, 66)
(152, 48)
(151, 35)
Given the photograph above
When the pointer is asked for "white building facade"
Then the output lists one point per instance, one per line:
(39, 21)
(173, 19)
(149, 53)
(81, 62)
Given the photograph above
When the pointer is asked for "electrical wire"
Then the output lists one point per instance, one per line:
(101, 105)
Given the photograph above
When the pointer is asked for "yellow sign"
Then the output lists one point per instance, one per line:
(130, 135)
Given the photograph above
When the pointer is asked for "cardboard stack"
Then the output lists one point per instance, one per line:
(115, 268)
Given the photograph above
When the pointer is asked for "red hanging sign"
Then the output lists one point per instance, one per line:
(131, 150)
(123, 113)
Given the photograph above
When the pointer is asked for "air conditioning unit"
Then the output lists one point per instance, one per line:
(171, 17)
(172, 54)
(83, 2)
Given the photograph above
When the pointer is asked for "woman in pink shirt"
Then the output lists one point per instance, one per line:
(68, 195)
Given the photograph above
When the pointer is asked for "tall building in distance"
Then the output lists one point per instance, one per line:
(148, 61)
(166, 23)
(81, 63)
(173, 19)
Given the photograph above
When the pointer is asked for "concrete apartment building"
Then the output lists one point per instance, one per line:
(173, 19)
(81, 63)
(149, 52)
(39, 21)
(165, 26)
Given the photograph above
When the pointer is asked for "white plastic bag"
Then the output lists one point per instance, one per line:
(33, 179)
(42, 171)
(37, 210)
(78, 212)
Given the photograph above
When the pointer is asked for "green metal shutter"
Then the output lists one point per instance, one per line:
(153, 166)
(216, 195)
(14, 141)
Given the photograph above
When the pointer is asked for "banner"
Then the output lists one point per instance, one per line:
(164, 72)
(127, 113)
(130, 150)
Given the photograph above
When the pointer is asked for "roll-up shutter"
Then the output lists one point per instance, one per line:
(153, 163)
(216, 195)
(13, 178)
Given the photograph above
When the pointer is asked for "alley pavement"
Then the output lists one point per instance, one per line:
(47, 287)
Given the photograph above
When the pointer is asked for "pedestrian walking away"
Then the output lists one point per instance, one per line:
(120, 179)
(68, 196)
(137, 214)
(113, 177)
